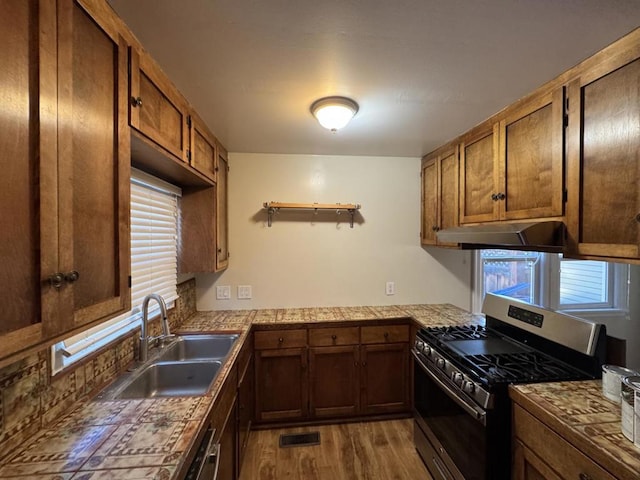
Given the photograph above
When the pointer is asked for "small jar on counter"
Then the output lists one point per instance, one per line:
(630, 409)
(612, 376)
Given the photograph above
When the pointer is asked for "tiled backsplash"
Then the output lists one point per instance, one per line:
(31, 398)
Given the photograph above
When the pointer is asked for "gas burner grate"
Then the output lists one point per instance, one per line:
(520, 367)
(456, 332)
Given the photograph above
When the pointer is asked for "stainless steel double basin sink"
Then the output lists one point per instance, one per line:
(187, 366)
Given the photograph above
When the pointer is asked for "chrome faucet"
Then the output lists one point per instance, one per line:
(144, 336)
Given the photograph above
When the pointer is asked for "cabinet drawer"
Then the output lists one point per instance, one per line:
(560, 455)
(385, 334)
(325, 337)
(280, 339)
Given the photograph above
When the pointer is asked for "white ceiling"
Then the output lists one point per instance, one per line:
(422, 71)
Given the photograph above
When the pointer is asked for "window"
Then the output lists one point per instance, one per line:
(154, 235)
(584, 288)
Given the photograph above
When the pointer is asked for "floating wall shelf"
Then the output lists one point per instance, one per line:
(275, 207)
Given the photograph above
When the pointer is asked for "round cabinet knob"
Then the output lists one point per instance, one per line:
(638, 218)
(501, 196)
(56, 280)
(280, 340)
(440, 363)
(333, 337)
(71, 276)
(494, 197)
(136, 101)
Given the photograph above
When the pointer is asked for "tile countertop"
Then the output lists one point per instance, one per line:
(148, 439)
(579, 413)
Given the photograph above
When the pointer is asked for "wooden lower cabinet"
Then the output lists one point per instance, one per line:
(246, 401)
(528, 466)
(281, 384)
(385, 378)
(352, 371)
(334, 381)
(227, 466)
(540, 453)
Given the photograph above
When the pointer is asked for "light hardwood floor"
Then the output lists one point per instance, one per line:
(354, 451)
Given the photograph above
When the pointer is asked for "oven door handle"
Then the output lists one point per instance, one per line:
(472, 410)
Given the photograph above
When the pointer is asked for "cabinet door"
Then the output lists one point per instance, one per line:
(202, 151)
(94, 168)
(429, 201)
(246, 400)
(222, 208)
(532, 158)
(334, 381)
(528, 466)
(603, 209)
(228, 449)
(385, 378)
(28, 184)
(479, 176)
(281, 384)
(197, 245)
(448, 192)
(157, 109)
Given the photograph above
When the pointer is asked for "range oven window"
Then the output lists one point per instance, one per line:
(480, 451)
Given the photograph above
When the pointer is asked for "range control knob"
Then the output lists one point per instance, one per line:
(457, 378)
(468, 387)
(440, 363)
(419, 345)
(427, 350)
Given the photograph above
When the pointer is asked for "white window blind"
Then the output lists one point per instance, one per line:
(154, 237)
(585, 288)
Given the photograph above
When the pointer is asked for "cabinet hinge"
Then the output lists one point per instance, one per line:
(129, 281)
(565, 195)
(189, 121)
(189, 155)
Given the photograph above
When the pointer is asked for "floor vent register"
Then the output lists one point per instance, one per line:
(299, 439)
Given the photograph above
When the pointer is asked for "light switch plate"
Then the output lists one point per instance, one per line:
(244, 292)
(223, 292)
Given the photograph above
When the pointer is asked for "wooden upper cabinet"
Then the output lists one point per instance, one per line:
(222, 209)
(203, 150)
(65, 182)
(439, 193)
(429, 222)
(603, 148)
(157, 109)
(514, 170)
(532, 158)
(479, 175)
(28, 184)
(94, 167)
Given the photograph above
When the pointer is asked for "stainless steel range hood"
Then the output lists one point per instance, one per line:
(547, 236)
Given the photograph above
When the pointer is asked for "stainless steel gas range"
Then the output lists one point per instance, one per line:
(462, 373)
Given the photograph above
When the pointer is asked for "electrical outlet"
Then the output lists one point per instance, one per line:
(244, 292)
(223, 292)
(390, 288)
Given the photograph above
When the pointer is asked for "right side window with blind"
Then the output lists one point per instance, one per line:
(584, 288)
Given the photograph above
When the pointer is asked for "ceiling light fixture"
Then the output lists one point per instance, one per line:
(334, 113)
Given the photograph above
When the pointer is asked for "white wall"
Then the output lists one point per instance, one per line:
(306, 260)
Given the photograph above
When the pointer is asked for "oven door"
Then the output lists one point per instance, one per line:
(458, 430)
